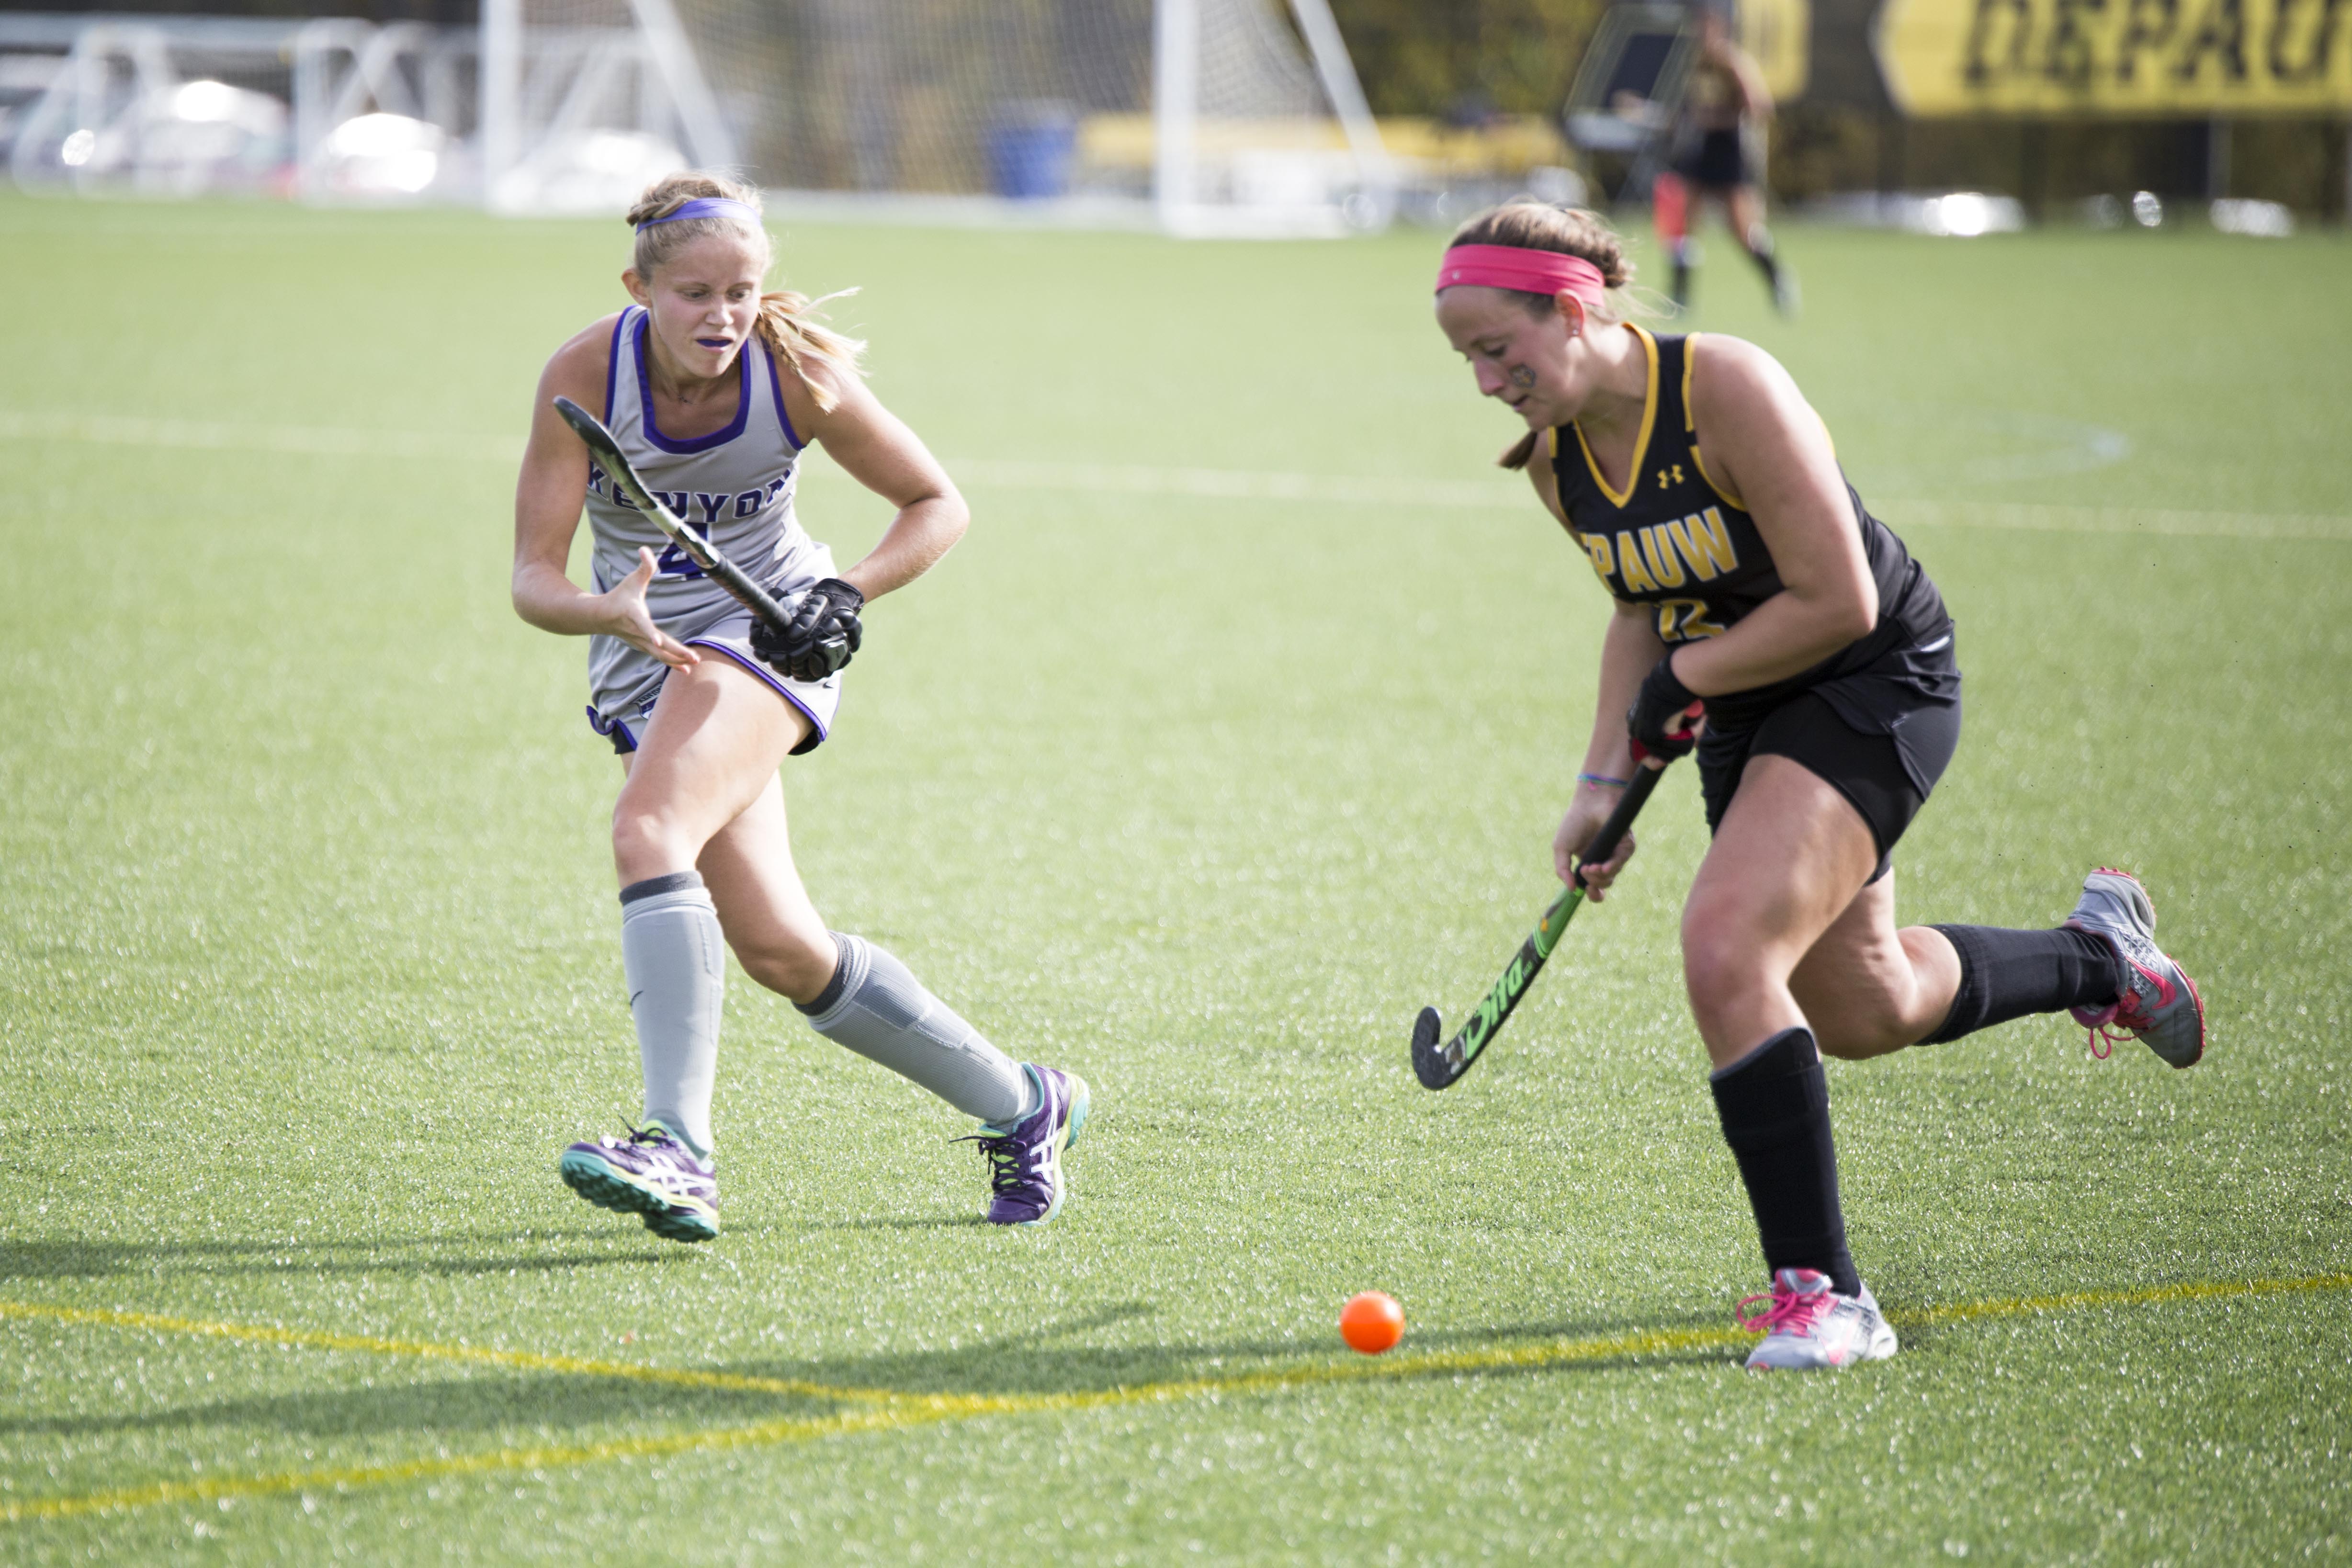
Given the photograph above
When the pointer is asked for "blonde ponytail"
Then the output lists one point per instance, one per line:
(788, 325)
(787, 322)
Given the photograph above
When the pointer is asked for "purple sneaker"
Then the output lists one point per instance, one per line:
(2159, 1004)
(650, 1173)
(1026, 1160)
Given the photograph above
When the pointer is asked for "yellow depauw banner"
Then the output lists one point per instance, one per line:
(1778, 36)
(2065, 58)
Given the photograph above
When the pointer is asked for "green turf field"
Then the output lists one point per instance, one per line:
(1200, 776)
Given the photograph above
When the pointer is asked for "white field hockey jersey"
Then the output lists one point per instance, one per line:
(734, 487)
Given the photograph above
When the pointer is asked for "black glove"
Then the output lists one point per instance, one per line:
(1660, 701)
(821, 631)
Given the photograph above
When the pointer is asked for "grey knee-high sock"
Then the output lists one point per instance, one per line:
(672, 953)
(879, 1010)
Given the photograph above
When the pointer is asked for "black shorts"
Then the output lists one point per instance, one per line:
(1880, 737)
(1717, 163)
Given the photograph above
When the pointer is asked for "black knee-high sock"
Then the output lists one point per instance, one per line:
(1758, 244)
(1775, 1105)
(2008, 974)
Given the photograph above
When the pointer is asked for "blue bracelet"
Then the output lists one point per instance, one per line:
(1604, 779)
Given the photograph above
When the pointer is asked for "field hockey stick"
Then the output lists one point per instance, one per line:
(705, 555)
(1443, 1068)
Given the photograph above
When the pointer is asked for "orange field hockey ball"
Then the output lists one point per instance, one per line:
(1371, 1322)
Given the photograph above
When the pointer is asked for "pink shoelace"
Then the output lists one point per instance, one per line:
(2128, 1017)
(1789, 1312)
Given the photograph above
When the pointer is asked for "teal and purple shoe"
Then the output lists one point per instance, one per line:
(1025, 1183)
(649, 1173)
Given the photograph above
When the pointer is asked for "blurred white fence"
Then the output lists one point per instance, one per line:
(1200, 116)
(323, 110)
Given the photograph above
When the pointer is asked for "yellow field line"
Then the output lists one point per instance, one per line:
(766, 1433)
(905, 1411)
(895, 1411)
(2079, 1300)
(528, 1361)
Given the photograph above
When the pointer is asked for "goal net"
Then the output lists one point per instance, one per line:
(1206, 116)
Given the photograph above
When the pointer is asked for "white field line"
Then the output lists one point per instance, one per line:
(1207, 484)
(125, 430)
(2038, 517)
(1236, 483)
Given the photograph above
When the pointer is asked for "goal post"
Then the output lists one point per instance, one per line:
(584, 102)
(1377, 181)
(1251, 138)
(1175, 105)
(672, 58)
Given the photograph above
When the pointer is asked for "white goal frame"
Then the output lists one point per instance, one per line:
(1175, 113)
(567, 69)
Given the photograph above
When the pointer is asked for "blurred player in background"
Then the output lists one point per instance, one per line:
(1747, 574)
(1722, 117)
(713, 388)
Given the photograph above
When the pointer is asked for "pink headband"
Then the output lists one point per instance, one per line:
(1543, 272)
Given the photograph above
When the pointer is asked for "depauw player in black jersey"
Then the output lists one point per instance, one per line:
(1748, 575)
(1718, 131)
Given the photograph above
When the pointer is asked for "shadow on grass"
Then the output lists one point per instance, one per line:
(516, 1252)
(1025, 1360)
(1032, 1361)
(958, 1220)
(543, 1404)
(1028, 1356)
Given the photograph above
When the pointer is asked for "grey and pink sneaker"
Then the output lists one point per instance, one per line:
(2159, 1004)
(1809, 1325)
(649, 1173)
(1025, 1159)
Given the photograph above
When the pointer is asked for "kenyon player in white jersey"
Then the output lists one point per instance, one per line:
(713, 388)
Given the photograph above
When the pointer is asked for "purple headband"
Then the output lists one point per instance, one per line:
(707, 207)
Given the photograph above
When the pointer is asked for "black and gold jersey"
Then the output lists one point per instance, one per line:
(1711, 96)
(1676, 539)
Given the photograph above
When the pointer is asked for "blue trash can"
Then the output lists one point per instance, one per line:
(1031, 145)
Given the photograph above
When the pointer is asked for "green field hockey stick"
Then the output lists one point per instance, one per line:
(703, 554)
(1441, 1068)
